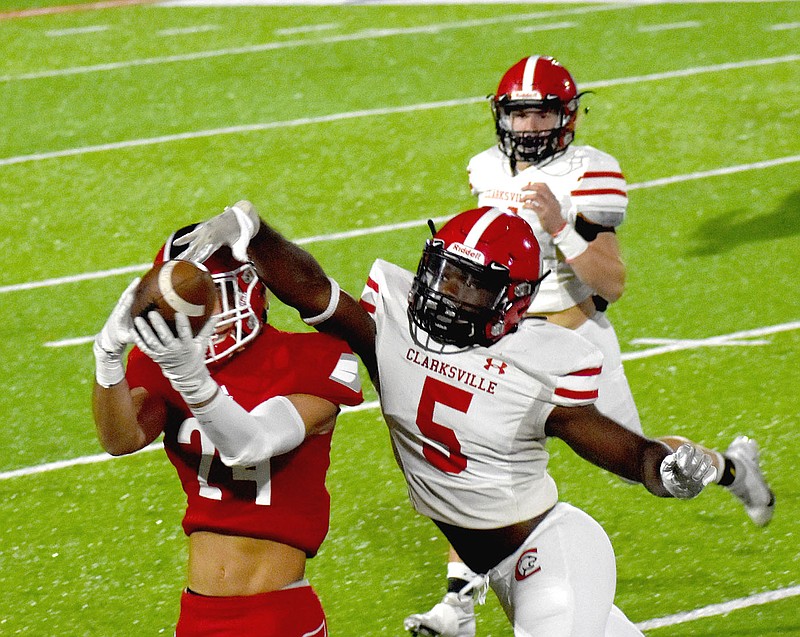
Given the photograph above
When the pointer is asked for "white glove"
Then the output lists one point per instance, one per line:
(233, 227)
(111, 341)
(181, 358)
(687, 472)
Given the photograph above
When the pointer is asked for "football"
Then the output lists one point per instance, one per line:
(176, 286)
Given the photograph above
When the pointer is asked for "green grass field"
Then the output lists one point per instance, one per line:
(120, 125)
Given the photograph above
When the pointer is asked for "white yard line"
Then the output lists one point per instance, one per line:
(309, 28)
(349, 234)
(377, 112)
(721, 609)
(712, 341)
(658, 28)
(57, 33)
(74, 278)
(367, 34)
(787, 26)
(661, 622)
(200, 28)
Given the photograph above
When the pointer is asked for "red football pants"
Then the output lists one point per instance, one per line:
(291, 612)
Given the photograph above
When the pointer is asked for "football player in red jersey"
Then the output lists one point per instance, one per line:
(247, 413)
(470, 391)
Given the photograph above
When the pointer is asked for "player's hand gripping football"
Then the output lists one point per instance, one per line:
(182, 357)
(687, 472)
(111, 341)
(234, 227)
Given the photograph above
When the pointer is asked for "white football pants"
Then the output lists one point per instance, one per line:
(615, 399)
(561, 581)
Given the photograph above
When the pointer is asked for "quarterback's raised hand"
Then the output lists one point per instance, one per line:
(182, 357)
(687, 472)
(234, 227)
(540, 199)
(111, 341)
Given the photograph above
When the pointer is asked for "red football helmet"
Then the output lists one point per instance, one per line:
(242, 298)
(476, 279)
(540, 83)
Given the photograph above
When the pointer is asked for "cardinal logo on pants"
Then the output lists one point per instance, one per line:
(527, 565)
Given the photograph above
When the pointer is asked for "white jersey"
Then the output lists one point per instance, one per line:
(468, 429)
(587, 182)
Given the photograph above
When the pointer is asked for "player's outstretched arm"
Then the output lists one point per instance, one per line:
(298, 280)
(291, 273)
(603, 442)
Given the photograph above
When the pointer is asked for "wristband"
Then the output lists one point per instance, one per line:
(196, 389)
(108, 369)
(332, 303)
(571, 244)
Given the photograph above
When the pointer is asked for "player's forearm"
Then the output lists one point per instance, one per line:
(610, 446)
(650, 465)
(117, 428)
(604, 274)
(291, 273)
(298, 280)
(597, 262)
(247, 438)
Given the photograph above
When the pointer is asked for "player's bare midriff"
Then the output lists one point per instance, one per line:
(482, 549)
(227, 565)
(573, 317)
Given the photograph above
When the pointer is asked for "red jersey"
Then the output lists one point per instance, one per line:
(284, 498)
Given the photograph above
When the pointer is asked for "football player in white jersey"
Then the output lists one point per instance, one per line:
(574, 197)
(471, 390)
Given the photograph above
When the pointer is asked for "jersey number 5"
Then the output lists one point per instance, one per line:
(446, 455)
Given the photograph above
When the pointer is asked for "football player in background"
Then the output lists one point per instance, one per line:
(247, 412)
(470, 391)
(574, 197)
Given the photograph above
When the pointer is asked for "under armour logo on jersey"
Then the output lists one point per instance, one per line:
(527, 565)
(500, 367)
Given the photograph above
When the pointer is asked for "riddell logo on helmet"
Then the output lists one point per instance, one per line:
(465, 251)
(526, 95)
